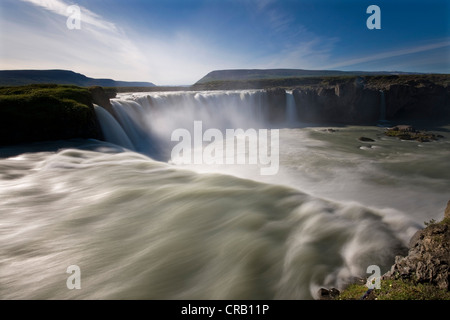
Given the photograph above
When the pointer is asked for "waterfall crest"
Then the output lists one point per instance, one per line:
(147, 120)
(112, 130)
(291, 109)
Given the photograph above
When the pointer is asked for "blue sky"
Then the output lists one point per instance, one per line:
(174, 42)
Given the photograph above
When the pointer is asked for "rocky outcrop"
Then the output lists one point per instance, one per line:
(406, 132)
(101, 97)
(428, 260)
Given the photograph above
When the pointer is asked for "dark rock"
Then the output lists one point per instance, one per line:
(365, 139)
(348, 102)
(415, 239)
(101, 97)
(325, 294)
(417, 102)
(405, 128)
(406, 132)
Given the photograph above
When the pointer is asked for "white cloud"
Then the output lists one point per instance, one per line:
(101, 49)
(184, 58)
(60, 7)
(38, 38)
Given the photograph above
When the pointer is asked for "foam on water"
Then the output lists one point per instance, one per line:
(141, 229)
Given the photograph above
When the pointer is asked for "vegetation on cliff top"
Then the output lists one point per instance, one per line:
(258, 74)
(46, 112)
(380, 82)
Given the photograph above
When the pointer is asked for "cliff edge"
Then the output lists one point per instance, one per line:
(50, 112)
(428, 260)
(423, 274)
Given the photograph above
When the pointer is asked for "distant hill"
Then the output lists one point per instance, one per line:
(262, 74)
(25, 77)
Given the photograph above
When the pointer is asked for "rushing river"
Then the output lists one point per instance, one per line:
(141, 227)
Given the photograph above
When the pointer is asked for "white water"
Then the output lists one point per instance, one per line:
(144, 229)
(291, 109)
(112, 130)
(150, 119)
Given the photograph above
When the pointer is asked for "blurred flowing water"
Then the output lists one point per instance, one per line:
(140, 227)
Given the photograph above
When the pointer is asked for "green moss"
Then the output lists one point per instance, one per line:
(408, 290)
(419, 136)
(353, 292)
(396, 290)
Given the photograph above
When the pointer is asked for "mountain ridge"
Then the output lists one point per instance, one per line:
(58, 76)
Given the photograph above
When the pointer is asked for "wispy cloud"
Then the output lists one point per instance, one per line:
(60, 7)
(34, 35)
(389, 54)
(260, 5)
(98, 49)
(278, 20)
(101, 49)
(309, 54)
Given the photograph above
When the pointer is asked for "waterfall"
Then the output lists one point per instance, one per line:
(382, 122)
(291, 109)
(147, 120)
(111, 129)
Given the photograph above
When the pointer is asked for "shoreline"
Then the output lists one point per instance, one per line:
(423, 274)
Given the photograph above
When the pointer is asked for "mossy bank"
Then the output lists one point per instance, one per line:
(49, 112)
(424, 274)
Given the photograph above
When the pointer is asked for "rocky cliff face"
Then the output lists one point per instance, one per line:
(345, 103)
(412, 102)
(101, 97)
(428, 260)
(354, 102)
